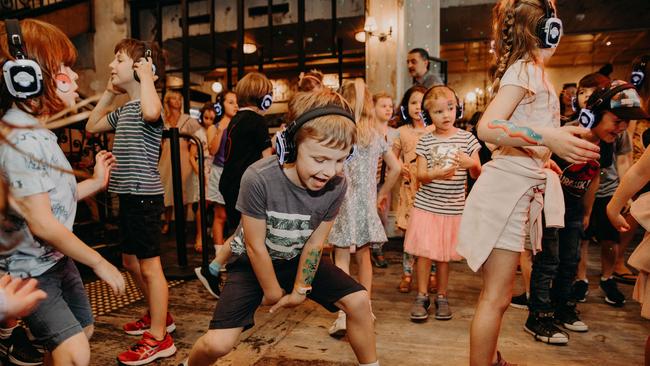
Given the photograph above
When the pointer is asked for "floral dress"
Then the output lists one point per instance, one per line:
(358, 223)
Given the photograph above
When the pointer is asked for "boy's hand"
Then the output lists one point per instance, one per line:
(21, 296)
(289, 301)
(109, 274)
(272, 298)
(104, 163)
(115, 90)
(144, 68)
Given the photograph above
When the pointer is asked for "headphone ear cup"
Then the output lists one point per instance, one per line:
(587, 118)
(266, 102)
(353, 153)
(281, 146)
(23, 78)
(460, 110)
(637, 78)
(218, 109)
(425, 117)
(574, 104)
(402, 111)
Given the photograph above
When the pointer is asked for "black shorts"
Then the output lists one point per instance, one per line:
(599, 225)
(242, 294)
(140, 225)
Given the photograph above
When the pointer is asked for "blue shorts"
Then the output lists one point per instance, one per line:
(65, 311)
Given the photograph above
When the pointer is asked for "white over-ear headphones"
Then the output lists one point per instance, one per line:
(23, 76)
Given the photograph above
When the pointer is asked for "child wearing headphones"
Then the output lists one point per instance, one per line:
(445, 157)
(358, 225)
(411, 129)
(288, 205)
(136, 180)
(36, 227)
(522, 122)
(606, 115)
(247, 139)
(206, 120)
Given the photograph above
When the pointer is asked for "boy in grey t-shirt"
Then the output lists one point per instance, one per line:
(288, 205)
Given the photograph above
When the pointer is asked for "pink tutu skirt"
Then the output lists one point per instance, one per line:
(432, 236)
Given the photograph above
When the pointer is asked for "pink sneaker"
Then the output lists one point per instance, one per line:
(143, 324)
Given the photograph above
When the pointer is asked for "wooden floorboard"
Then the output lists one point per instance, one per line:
(299, 336)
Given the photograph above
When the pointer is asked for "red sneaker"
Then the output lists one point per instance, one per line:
(147, 350)
(143, 324)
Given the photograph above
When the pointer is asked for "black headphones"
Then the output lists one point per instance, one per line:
(590, 114)
(286, 148)
(23, 76)
(219, 107)
(638, 72)
(265, 102)
(549, 28)
(147, 54)
(425, 114)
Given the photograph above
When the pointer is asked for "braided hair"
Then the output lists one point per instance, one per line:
(514, 31)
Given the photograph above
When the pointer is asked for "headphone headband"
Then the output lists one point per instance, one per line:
(425, 113)
(319, 112)
(15, 38)
(604, 95)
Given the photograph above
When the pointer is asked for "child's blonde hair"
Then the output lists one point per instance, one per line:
(333, 130)
(437, 92)
(514, 26)
(381, 95)
(308, 81)
(357, 94)
(252, 88)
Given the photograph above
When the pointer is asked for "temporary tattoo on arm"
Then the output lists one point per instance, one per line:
(310, 266)
(512, 130)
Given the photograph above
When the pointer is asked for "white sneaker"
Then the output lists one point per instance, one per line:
(338, 328)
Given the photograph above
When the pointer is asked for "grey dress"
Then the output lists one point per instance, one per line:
(358, 222)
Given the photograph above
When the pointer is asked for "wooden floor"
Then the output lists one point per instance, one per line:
(299, 336)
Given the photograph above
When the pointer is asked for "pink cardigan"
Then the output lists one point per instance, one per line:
(502, 183)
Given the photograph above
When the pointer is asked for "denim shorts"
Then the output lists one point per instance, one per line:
(65, 311)
(140, 225)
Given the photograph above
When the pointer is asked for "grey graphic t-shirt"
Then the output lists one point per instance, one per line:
(291, 213)
(30, 167)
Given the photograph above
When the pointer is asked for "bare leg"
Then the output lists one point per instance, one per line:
(498, 275)
(526, 264)
(131, 263)
(442, 275)
(362, 256)
(213, 345)
(423, 269)
(360, 328)
(626, 239)
(218, 223)
(153, 276)
(608, 253)
(582, 266)
(342, 259)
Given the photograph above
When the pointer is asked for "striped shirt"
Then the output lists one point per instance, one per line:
(444, 196)
(136, 148)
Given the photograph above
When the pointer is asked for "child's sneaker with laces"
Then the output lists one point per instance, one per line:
(567, 316)
(143, 324)
(443, 311)
(542, 328)
(613, 296)
(420, 308)
(147, 350)
(580, 290)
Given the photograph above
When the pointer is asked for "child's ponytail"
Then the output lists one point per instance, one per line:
(508, 25)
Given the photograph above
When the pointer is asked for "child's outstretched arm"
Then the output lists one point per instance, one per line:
(37, 211)
(635, 178)
(392, 175)
(309, 260)
(495, 127)
(255, 234)
(150, 102)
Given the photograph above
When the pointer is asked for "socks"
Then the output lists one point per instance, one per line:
(6, 332)
(214, 268)
(376, 363)
(605, 278)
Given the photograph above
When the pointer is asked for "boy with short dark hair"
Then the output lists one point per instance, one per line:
(288, 209)
(136, 180)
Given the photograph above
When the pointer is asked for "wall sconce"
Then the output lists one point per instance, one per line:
(370, 29)
(249, 48)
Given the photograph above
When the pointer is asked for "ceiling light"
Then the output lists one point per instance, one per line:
(608, 43)
(249, 48)
(217, 87)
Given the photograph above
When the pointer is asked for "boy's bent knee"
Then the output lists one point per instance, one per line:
(74, 351)
(355, 302)
(215, 345)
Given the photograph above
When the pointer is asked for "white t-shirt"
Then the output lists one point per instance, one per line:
(539, 108)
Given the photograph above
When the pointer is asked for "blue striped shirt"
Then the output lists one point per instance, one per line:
(136, 148)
